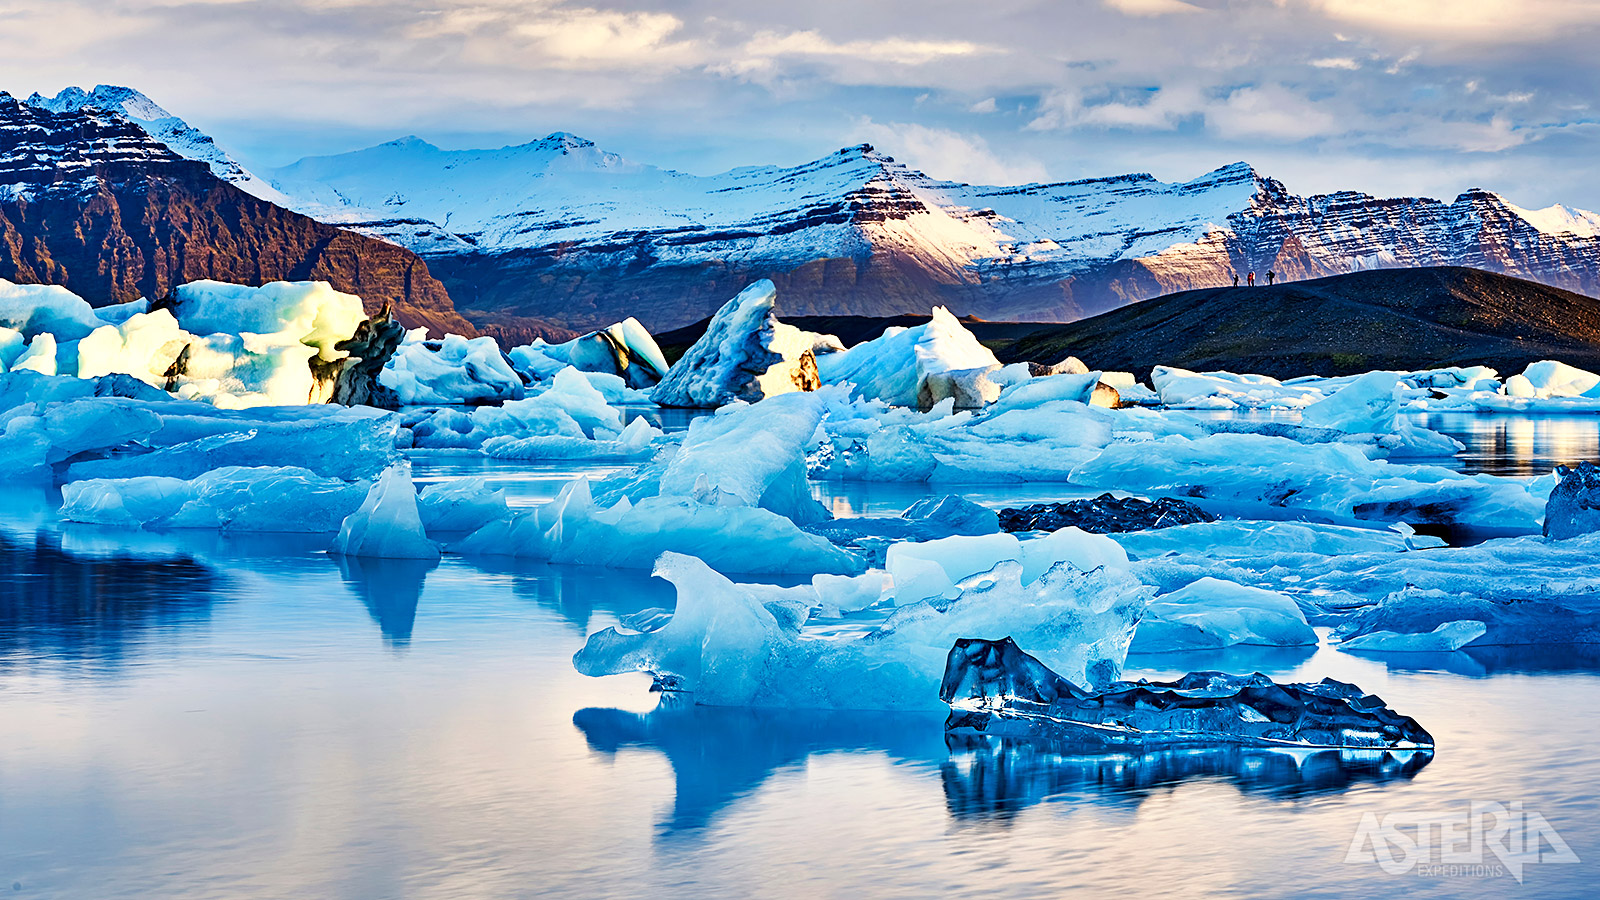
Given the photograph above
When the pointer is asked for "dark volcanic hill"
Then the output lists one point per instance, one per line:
(90, 201)
(1344, 324)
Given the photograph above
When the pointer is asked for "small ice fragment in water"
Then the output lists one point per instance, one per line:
(994, 688)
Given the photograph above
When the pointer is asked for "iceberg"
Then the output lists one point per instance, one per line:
(1370, 404)
(573, 529)
(751, 455)
(994, 688)
(1574, 505)
(387, 524)
(234, 498)
(1183, 389)
(625, 350)
(35, 309)
(1211, 613)
(453, 370)
(745, 354)
(896, 366)
(1334, 480)
(727, 647)
(1415, 619)
(461, 505)
(1447, 638)
(1547, 379)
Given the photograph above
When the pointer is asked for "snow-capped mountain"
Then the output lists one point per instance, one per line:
(89, 199)
(560, 229)
(178, 135)
(563, 231)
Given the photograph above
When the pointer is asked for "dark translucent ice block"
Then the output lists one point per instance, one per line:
(994, 688)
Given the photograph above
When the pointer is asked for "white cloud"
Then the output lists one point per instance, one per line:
(1271, 112)
(983, 106)
(947, 154)
(1336, 62)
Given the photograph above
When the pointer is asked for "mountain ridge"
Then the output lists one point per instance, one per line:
(91, 201)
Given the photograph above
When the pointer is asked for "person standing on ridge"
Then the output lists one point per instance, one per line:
(1236, 279)
(1251, 281)
(1270, 276)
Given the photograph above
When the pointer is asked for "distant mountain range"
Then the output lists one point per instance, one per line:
(560, 232)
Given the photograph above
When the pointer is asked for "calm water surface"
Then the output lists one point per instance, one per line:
(195, 716)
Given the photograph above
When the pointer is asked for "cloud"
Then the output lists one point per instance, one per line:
(1102, 87)
(947, 154)
(1152, 7)
(1478, 21)
(1272, 112)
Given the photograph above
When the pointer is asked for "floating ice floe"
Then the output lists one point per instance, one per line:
(1431, 619)
(994, 688)
(1574, 505)
(453, 370)
(1183, 389)
(727, 645)
(574, 529)
(896, 367)
(461, 505)
(387, 525)
(563, 418)
(1370, 405)
(745, 354)
(1210, 613)
(234, 498)
(625, 350)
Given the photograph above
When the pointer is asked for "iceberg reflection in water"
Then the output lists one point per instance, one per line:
(988, 776)
(720, 755)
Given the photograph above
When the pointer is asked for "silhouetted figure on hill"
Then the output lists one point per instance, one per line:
(1252, 280)
(1236, 279)
(1270, 276)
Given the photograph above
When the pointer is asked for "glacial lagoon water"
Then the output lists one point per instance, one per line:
(187, 715)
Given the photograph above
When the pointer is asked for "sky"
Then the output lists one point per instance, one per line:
(1392, 97)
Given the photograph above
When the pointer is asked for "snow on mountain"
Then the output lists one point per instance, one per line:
(183, 138)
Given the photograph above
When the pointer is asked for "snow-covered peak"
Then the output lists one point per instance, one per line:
(183, 138)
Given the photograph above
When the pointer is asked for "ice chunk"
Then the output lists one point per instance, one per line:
(1105, 514)
(1077, 388)
(624, 349)
(1336, 480)
(1366, 405)
(1574, 504)
(725, 645)
(145, 345)
(1548, 378)
(39, 357)
(306, 312)
(387, 524)
(1210, 613)
(346, 443)
(454, 370)
(1418, 615)
(895, 366)
(36, 309)
(745, 354)
(287, 499)
(751, 455)
(1370, 404)
(1182, 388)
(1449, 636)
(461, 505)
(932, 568)
(994, 688)
(574, 529)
